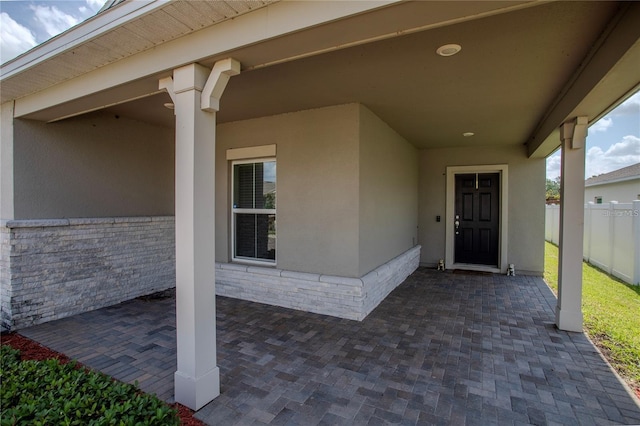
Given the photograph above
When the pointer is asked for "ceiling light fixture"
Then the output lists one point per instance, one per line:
(169, 105)
(449, 49)
(468, 134)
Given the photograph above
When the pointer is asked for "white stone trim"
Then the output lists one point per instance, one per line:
(251, 152)
(344, 297)
(140, 257)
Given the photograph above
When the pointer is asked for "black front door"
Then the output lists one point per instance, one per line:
(477, 221)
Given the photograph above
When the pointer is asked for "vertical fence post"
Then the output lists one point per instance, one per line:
(612, 236)
(546, 222)
(635, 211)
(588, 212)
(555, 231)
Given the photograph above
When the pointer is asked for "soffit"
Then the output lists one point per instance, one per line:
(171, 21)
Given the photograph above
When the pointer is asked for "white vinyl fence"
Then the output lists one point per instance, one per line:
(611, 237)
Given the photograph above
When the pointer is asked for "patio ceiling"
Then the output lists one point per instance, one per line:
(522, 71)
(499, 86)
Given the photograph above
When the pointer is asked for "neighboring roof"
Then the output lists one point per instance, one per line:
(109, 4)
(625, 173)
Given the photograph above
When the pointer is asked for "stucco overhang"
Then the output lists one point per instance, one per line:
(525, 67)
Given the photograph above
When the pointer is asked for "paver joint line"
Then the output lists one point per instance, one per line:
(441, 348)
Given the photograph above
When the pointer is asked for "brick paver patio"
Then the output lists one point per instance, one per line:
(443, 348)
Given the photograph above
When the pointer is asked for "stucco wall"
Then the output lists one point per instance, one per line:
(622, 192)
(317, 187)
(347, 188)
(526, 201)
(388, 192)
(95, 165)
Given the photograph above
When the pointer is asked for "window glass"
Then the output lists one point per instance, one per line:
(254, 215)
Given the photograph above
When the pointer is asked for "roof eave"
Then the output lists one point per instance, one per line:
(607, 182)
(79, 34)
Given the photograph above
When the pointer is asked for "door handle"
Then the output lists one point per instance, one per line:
(457, 224)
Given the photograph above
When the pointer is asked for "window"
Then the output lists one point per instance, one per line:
(598, 200)
(254, 210)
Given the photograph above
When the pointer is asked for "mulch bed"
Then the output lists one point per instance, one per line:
(31, 350)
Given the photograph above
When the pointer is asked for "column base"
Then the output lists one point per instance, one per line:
(195, 393)
(568, 320)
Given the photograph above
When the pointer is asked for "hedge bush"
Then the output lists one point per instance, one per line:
(51, 393)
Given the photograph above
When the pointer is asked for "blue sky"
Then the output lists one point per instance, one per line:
(613, 142)
(25, 24)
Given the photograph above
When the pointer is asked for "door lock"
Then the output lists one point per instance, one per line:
(457, 224)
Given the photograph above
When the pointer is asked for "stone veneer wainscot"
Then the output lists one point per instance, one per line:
(55, 268)
(351, 298)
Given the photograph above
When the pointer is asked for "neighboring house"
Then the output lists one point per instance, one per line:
(622, 185)
(313, 153)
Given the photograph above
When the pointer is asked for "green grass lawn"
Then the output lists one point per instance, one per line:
(611, 311)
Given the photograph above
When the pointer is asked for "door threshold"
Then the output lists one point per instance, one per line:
(478, 268)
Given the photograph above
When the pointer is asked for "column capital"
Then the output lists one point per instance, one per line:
(190, 77)
(211, 83)
(575, 132)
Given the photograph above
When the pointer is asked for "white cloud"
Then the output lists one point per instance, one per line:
(53, 19)
(40, 21)
(553, 166)
(619, 155)
(601, 125)
(92, 7)
(95, 5)
(14, 38)
(628, 107)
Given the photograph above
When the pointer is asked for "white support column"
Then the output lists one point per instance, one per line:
(197, 379)
(569, 309)
(6, 161)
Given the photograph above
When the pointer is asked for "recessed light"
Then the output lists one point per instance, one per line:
(468, 134)
(449, 49)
